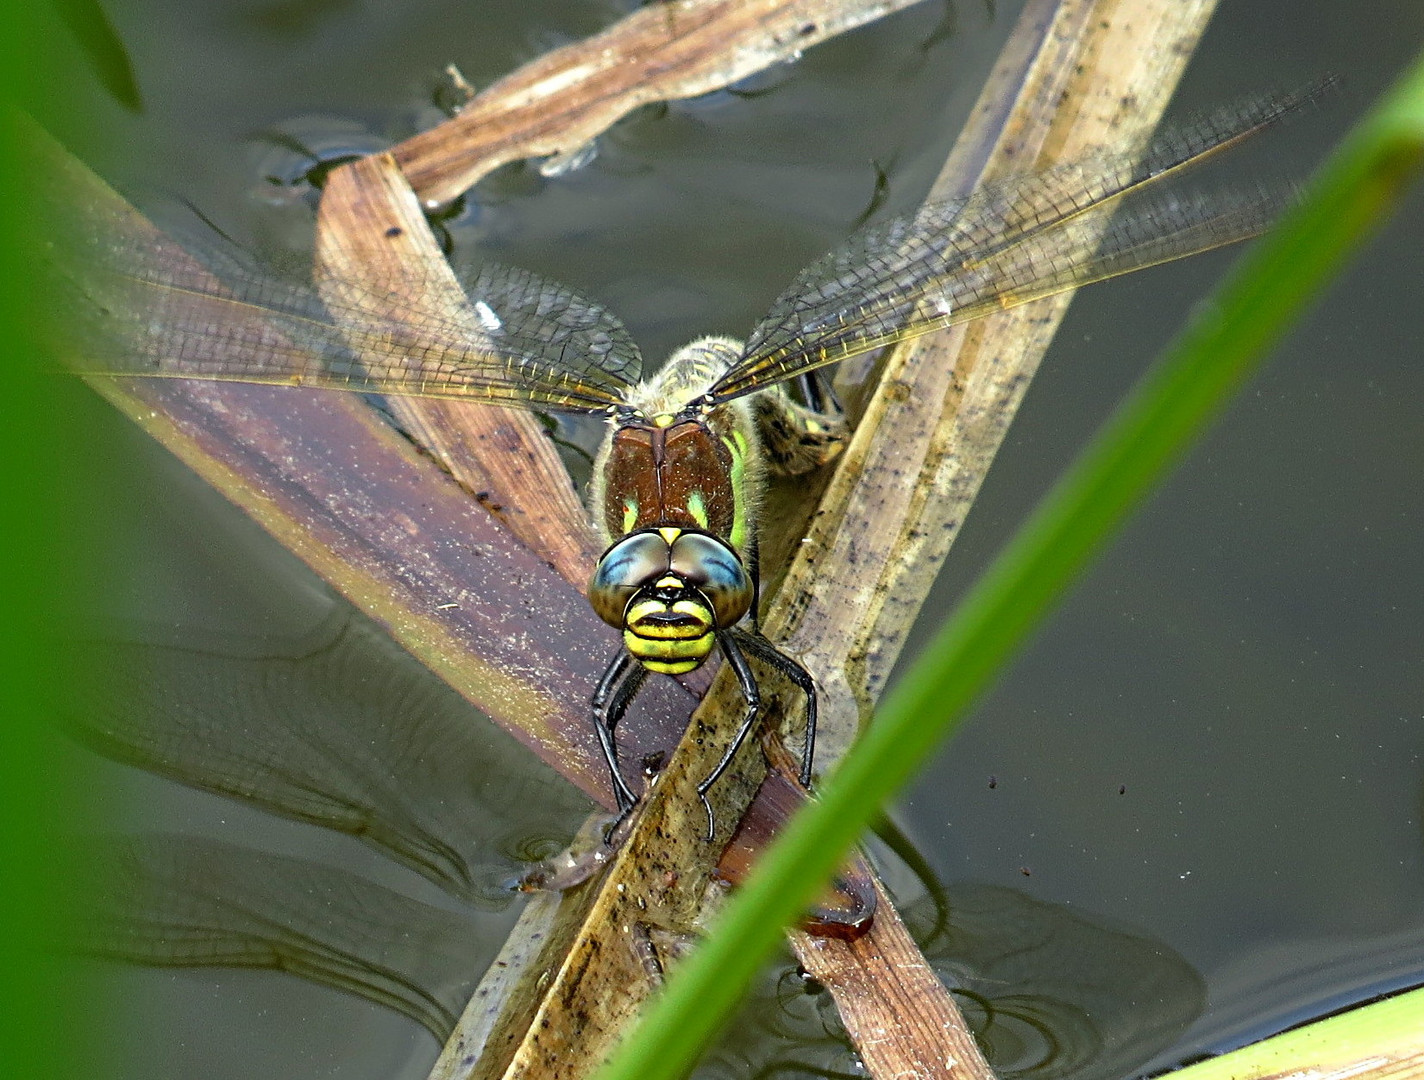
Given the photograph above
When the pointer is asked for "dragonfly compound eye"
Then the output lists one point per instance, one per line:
(669, 591)
(715, 571)
(627, 566)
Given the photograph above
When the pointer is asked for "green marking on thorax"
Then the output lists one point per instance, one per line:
(630, 514)
(741, 527)
(697, 507)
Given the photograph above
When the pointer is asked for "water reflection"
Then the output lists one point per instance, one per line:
(1049, 993)
(345, 731)
(1052, 993)
(185, 901)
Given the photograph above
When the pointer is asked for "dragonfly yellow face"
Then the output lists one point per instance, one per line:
(678, 481)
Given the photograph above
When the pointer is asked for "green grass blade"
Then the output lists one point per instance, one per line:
(1211, 359)
(1379, 1039)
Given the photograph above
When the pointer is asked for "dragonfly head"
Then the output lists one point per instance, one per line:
(669, 590)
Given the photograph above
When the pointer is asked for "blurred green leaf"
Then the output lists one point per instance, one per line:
(103, 49)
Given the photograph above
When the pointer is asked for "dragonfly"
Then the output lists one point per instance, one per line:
(687, 452)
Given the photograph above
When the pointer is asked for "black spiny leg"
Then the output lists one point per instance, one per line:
(768, 653)
(732, 643)
(752, 693)
(621, 681)
(817, 393)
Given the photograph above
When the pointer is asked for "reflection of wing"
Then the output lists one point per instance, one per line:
(158, 312)
(181, 901)
(1007, 244)
(348, 732)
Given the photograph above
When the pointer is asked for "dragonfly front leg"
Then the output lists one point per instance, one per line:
(768, 653)
(621, 681)
(752, 693)
(732, 643)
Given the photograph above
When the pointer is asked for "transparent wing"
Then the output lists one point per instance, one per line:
(1010, 243)
(159, 311)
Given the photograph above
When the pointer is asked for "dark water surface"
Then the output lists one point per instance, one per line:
(1206, 771)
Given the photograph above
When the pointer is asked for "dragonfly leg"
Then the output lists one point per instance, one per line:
(621, 681)
(817, 393)
(768, 653)
(752, 561)
(796, 437)
(732, 643)
(752, 693)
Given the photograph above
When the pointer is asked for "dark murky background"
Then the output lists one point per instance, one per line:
(1216, 744)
